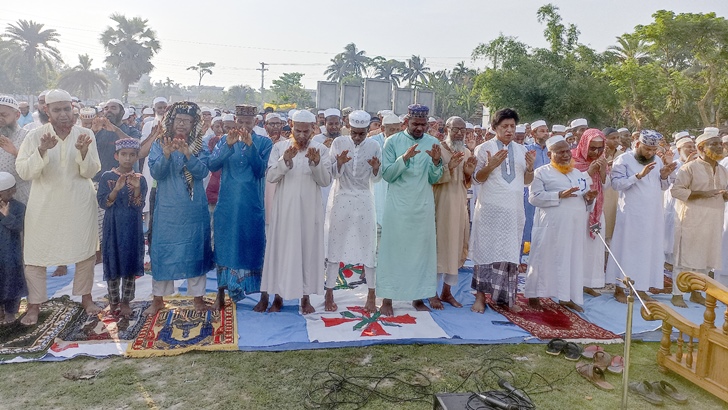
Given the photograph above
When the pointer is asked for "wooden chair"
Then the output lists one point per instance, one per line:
(703, 359)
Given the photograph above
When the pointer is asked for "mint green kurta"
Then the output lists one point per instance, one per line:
(407, 265)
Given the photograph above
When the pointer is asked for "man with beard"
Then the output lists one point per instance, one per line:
(274, 128)
(504, 167)
(639, 177)
(540, 132)
(391, 125)
(26, 117)
(407, 265)
(42, 116)
(700, 191)
(563, 199)
(451, 210)
(11, 137)
(686, 151)
(294, 253)
(333, 131)
(578, 126)
(61, 224)
(625, 139)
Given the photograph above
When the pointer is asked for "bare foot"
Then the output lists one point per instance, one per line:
(515, 308)
(591, 292)
(447, 297)
(61, 270)
(644, 295)
(534, 303)
(200, 305)
(9, 318)
(219, 300)
(156, 306)
(262, 305)
(696, 297)
(386, 308)
(113, 309)
(329, 304)
(31, 315)
(571, 305)
(89, 306)
(420, 306)
(436, 303)
(668, 267)
(306, 307)
(277, 304)
(371, 304)
(479, 304)
(125, 310)
(677, 300)
(619, 295)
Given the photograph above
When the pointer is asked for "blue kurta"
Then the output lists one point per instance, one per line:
(407, 265)
(181, 242)
(12, 280)
(123, 245)
(541, 159)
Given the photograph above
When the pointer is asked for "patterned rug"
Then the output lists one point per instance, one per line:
(106, 327)
(55, 315)
(179, 328)
(350, 276)
(553, 321)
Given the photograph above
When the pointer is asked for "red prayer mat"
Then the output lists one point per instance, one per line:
(553, 321)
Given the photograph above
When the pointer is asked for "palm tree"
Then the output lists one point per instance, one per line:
(82, 80)
(630, 47)
(416, 71)
(461, 74)
(130, 47)
(31, 53)
(337, 70)
(202, 69)
(391, 70)
(356, 60)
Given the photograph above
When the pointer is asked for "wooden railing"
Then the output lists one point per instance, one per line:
(701, 351)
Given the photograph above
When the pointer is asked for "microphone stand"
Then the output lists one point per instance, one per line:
(596, 228)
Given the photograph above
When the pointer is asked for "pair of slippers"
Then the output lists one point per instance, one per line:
(571, 350)
(603, 360)
(654, 392)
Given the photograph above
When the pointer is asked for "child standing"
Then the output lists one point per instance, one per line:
(12, 279)
(121, 193)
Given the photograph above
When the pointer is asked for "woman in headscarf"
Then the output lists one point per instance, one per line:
(181, 246)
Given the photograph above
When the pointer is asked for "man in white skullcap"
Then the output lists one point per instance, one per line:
(42, 117)
(61, 226)
(540, 133)
(700, 191)
(345, 129)
(721, 275)
(159, 105)
(686, 151)
(26, 117)
(558, 129)
(520, 134)
(86, 116)
(274, 124)
(294, 255)
(351, 223)
(333, 131)
(563, 200)
(391, 125)
(11, 137)
(578, 126)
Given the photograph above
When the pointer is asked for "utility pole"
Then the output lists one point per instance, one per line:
(262, 70)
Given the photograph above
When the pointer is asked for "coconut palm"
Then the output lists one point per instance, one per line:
(416, 71)
(31, 54)
(202, 69)
(82, 80)
(391, 70)
(337, 70)
(130, 45)
(356, 60)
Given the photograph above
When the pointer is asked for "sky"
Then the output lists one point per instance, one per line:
(293, 37)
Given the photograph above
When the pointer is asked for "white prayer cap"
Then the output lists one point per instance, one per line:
(291, 113)
(43, 94)
(359, 119)
(477, 127)
(205, 109)
(258, 117)
(55, 96)
(711, 130)
(272, 115)
(490, 131)
(391, 119)
(332, 112)
(87, 113)
(131, 109)
(678, 135)
(579, 122)
(621, 130)
(708, 133)
(304, 116)
(9, 101)
(23, 104)
(126, 115)
(159, 100)
(115, 101)
(553, 140)
(321, 112)
(384, 113)
(7, 181)
(469, 126)
(432, 119)
(520, 129)
(402, 117)
(148, 111)
(215, 119)
(539, 123)
(228, 117)
(724, 139)
(558, 128)
(682, 141)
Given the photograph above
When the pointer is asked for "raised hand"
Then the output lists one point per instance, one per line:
(411, 152)
(646, 170)
(470, 165)
(530, 159)
(314, 156)
(435, 153)
(134, 180)
(157, 131)
(120, 183)
(375, 164)
(168, 145)
(342, 158)
(108, 126)
(590, 195)
(182, 147)
(47, 141)
(496, 159)
(8, 146)
(470, 142)
(456, 160)
(82, 143)
(232, 137)
(667, 170)
(97, 124)
(569, 193)
(4, 207)
(245, 137)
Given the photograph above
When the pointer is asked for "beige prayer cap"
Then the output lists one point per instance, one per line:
(554, 140)
(390, 119)
(682, 141)
(708, 133)
(87, 113)
(304, 116)
(55, 96)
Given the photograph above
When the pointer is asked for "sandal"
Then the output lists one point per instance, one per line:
(572, 351)
(590, 350)
(617, 365)
(602, 360)
(555, 346)
(594, 374)
(668, 390)
(644, 389)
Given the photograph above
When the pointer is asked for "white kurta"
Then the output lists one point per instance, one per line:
(325, 190)
(639, 227)
(721, 275)
(294, 252)
(670, 217)
(556, 261)
(61, 221)
(351, 221)
(499, 217)
(7, 164)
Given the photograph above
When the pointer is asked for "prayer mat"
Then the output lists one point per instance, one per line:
(350, 276)
(553, 321)
(55, 315)
(106, 327)
(178, 328)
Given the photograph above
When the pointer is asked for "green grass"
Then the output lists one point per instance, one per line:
(264, 380)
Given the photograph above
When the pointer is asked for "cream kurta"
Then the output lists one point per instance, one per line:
(610, 203)
(294, 252)
(451, 216)
(61, 221)
(699, 224)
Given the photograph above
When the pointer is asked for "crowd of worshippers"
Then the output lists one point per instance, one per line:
(277, 203)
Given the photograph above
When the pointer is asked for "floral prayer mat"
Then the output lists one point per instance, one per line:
(553, 321)
(55, 315)
(107, 326)
(179, 328)
(350, 276)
